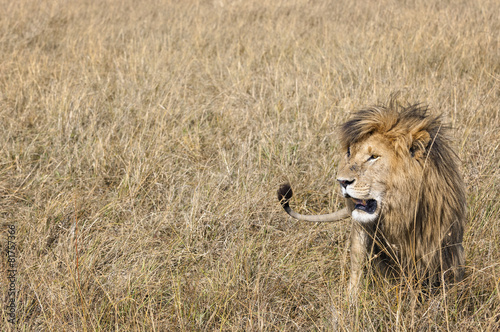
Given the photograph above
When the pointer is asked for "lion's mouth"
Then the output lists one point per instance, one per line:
(366, 205)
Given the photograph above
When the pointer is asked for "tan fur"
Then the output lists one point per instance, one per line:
(402, 157)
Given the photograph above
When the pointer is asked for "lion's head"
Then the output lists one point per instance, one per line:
(402, 187)
(389, 156)
(397, 163)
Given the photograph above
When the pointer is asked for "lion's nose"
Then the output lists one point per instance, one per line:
(344, 183)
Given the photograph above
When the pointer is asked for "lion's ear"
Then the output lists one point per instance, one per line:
(419, 140)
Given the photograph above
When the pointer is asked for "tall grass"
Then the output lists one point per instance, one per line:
(142, 144)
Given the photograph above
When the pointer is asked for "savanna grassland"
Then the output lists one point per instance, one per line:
(142, 144)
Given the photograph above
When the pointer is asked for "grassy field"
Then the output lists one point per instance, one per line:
(142, 144)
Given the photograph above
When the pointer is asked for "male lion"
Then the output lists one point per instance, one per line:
(403, 190)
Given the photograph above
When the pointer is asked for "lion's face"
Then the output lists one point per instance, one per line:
(363, 175)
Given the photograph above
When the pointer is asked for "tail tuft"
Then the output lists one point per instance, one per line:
(285, 194)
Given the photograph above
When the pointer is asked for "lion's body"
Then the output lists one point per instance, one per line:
(406, 196)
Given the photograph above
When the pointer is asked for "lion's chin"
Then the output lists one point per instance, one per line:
(363, 217)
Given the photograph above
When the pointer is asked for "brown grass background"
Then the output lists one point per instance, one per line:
(142, 144)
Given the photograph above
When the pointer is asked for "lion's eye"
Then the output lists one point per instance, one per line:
(373, 157)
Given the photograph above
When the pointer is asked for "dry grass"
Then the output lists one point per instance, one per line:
(141, 147)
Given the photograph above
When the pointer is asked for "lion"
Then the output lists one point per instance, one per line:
(404, 192)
